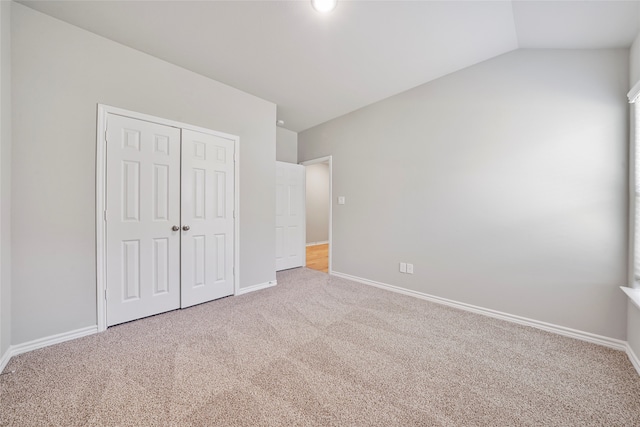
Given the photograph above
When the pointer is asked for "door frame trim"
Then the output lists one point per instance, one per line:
(101, 182)
(313, 162)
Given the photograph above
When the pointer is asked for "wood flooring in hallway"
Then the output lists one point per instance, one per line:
(318, 257)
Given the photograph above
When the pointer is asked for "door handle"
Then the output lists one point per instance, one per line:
(175, 228)
(186, 227)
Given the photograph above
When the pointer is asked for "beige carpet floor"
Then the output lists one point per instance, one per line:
(321, 351)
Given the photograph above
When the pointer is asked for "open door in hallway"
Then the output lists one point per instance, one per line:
(290, 216)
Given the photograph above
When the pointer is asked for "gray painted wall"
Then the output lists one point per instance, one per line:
(505, 184)
(60, 73)
(633, 315)
(317, 202)
(5, 176)
(286, 145)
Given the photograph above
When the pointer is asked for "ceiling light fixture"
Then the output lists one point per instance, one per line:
(324, 6)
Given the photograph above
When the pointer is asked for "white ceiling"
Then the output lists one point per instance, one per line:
(318, 67)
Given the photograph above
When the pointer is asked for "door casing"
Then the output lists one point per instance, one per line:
(101, 181)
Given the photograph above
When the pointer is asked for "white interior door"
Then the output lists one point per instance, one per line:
(207, 268)
(142, 206)
(290, 216)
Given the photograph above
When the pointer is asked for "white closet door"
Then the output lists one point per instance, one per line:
(143, 204)
(207, 217)
(290, 216)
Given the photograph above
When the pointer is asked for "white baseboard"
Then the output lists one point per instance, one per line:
(17, 349)
(4, 359)
(549, 327)
(257, 287)
(633, 357)
(324, 242)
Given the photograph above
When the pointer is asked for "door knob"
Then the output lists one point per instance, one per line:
(186, 227)
(175, 228)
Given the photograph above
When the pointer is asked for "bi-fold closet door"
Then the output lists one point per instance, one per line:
(169, 218)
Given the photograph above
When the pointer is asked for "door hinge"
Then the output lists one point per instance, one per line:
(234, 214)
(104, 215)
(105, 294)
(105, 135)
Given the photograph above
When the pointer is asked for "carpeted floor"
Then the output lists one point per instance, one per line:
(321, 351)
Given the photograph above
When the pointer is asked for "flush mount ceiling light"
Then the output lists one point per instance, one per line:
(324, 6)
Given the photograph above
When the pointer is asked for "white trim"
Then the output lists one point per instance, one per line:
(101, 237)
(313, 162)
(107, 109)
(15, 350)
(52, 339)
(318, 243)
(633, 357)
(633, 294)
(631, 220)
(585, 336)
(549, 327)
(4, 359)
(236, 222)
(634, 93)
(101, 240)
(304, 215)
(257, 287)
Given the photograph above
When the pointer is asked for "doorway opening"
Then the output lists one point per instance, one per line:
(319, 213)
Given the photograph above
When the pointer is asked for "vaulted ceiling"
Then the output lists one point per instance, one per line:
(317, 67)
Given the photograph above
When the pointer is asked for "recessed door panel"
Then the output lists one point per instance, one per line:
(281, 203)
(293, 240)
(160, 266)
(130, 191)
(130, 270)
(199, 192)
(220, 257)
(142, 204)
(279, 243)
(207, 212)
(162, 144)
(219, 196)
(131, 139)
(161, 192)
(199, 260)
(290, 245)
(293, 191)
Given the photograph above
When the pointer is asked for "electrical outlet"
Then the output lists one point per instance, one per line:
(410, 268)
(403, 267)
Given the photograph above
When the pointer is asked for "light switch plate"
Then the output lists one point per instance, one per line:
(341, 200)
(410, 268)
(403, 267)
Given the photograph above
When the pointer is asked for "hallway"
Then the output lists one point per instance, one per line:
(318, 257)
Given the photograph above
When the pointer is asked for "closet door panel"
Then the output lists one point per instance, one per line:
(142, 205)
(207, 217)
